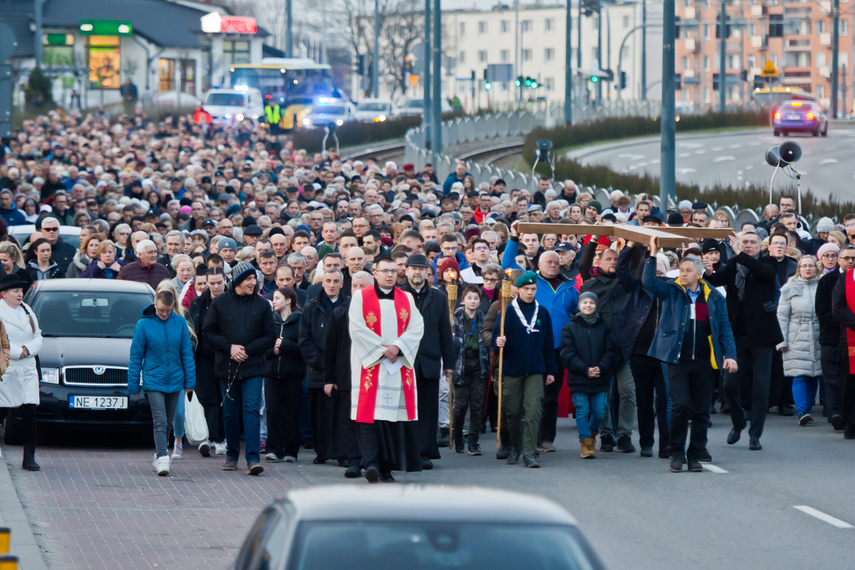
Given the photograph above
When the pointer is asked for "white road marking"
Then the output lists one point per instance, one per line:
(713, 468)
(723, 158)
(700, 152)
(632, 156)
(654, 161)
(684, 154)
(734, 146)
(822, 516)
(750, 167)
(828, 161)
(716, 149)
(691, 145)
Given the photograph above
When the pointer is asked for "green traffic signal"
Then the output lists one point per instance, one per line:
(487, 86)
(534, 84)
(528, 81)
(594, 79)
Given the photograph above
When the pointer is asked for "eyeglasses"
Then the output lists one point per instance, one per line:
(386, 271)
(44, 229)
(829, 255)
(847, 258)
(482, 248)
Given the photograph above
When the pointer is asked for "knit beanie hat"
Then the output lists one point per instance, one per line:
(241, 271)
(595, 204)
(589, 295)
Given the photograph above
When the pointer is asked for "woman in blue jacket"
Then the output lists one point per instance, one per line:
(162, 353)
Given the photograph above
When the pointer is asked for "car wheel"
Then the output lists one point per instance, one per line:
(825, 131)
(815, 132)
(776, 132)
(14, 434)
(785, 133)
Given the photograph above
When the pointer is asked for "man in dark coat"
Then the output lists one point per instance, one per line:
(63, 252)
(434, 350)
(322, 405)
(239, 327)
(145, 269)
(843, 307)
(337, 381)
(831, 339)
(781, 387)
(752, 298)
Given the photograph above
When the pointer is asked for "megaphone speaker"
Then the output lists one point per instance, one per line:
(790, 152)
(773, 156)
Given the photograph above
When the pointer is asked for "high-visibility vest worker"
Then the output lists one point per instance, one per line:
(272, 112)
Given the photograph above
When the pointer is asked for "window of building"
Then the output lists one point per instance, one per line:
(482, 27)
(461, 57)
(752, 60)
(844, 27)
(526, 55)
(525, 25)
(550, 84)
(482, 56)
(462, 28)
(625, 22)
(706, 63)
(549, 54)
(166, 75)
(185, 76)
(706, 31)
(236, 51)
(58, 50)
(820, 91)
(820, 59)
(548, 24)
(505, 26)
(105, 59)
(505, 55)
(820, 27)
(684, 63)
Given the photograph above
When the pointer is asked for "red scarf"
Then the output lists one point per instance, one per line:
(370, 378)
(850, 303)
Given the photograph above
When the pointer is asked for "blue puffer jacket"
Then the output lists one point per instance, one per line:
(560, 303)
(162, 352)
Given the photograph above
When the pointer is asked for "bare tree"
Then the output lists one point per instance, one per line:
(403, 29)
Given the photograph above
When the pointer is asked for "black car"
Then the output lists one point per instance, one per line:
(414, 527)
(87, 325)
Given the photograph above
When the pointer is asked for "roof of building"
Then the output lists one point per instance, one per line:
(162, 22)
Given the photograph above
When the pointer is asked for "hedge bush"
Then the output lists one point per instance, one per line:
(352, 134)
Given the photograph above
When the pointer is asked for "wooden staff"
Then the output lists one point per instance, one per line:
(451, 288)
(506, 298)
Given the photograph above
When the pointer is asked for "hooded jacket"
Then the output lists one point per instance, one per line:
(289, 363)
(162, 353)
(459, 339)
(585, 346)
(800, 327)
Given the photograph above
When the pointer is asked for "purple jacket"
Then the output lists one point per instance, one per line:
(152, 274)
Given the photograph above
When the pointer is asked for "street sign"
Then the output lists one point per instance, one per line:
(105, 28)
(769, 70)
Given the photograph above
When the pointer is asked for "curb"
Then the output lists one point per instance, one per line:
(12, 515)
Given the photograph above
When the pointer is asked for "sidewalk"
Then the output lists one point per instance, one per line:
(13, 515)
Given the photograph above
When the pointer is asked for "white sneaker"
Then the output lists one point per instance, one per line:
(162, 465)
(178, 451)
(220, 448)
(273, 458)
(205, 449)
(290, 459)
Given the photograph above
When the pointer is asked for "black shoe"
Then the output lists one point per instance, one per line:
(647, 452)
(372, 474)
(427, 464)
(754, 444)
(664, 454)
(624, 443)
(474, 448)
(850, 432)
(530, 461)
(735, 434)
(307, 443)
(607, 443)
(458, 445)
(443, 437)
(676, 463)
(387, 478)
(352, 472)
(30, 465)
(319, 460)
(786, 411)
(503, 452)
(342, 463)
(837, 422)
(695, 465)
(704, 456)
(805, 419)
(513, 457)
(725, 409)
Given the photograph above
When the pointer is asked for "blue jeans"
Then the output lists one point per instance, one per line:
(804, 393)
(178, 418)
(163, 406)
(595, 405)
(244, 396)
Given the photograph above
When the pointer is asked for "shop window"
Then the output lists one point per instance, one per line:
(236, 51)
(166, 75)
(104, 57)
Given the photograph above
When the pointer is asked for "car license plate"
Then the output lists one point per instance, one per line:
(98, 402)
(793, 117)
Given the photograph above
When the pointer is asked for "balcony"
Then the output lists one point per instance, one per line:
(688, 73)
(802, 44)
(733, 46)
(757, 11)
(691, 45)
(825, 6)
(825, 39)
(759, 42)
(689, 13)
(825, 71)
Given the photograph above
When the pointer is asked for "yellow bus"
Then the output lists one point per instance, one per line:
(295, 84)
(768, 97)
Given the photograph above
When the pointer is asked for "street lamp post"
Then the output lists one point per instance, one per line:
(436, 112)
(568, 71)
(643, 50)
(426, 68)
(289, 36)
(722, 59)
(835, 55)
(600, 48)
(667, 164)
(375, 64)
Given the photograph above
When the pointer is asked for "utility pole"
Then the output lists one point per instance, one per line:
(517, 70)
(568, 64)
(38, 32)
(609, 50)
(643, 50)
(835, 55)
(289, 35)
(324, 58)
(579, 49)
(600, 49)
(436, 112)
(426, 68)
(375, 64)
(668, 165)
(722, 59)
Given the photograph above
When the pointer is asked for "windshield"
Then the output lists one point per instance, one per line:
(797, 106)
(330, 110)
(96, 314)
(226, 99)
(416, 545)
(415, 104)
(372, 107)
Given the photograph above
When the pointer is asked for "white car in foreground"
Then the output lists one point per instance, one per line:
(233, 106)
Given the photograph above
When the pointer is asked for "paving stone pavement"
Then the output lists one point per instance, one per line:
(106, 508)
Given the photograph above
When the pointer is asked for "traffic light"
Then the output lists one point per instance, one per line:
(595, 79)
(487, 84)
(611, 75)
(759, 82)
(743, 75)
(727, 28)
(622, 80)
(528, 81)
(678, 81)
(590, 6)
(519, 80)
(677, 27)
(715, 81)
(534, 84)
(408, 65)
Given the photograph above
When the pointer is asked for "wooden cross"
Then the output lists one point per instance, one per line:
(665, 236)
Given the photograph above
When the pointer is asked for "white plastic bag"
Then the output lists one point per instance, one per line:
(195, 426)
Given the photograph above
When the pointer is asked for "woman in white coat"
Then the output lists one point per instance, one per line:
(800, 327)
(20, 383)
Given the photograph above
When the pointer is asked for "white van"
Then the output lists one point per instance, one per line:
(233, 106)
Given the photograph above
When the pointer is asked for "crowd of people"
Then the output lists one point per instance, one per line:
(315, 302)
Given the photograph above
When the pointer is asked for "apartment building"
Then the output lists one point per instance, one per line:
(801, 52)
